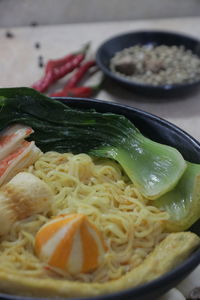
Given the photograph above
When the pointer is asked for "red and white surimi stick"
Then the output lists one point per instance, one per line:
(11, 137)
(26, 154)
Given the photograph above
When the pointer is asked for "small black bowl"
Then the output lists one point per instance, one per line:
(164, 132)
(115, 44)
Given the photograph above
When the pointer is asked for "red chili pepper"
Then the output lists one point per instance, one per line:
(54, 74)
(77, 92)
(42, 84)
(76, 78)
(57, 70)
(51, 64)
(81, 91)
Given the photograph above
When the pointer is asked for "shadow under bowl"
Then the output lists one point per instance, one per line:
(146, 38)
(164, 132)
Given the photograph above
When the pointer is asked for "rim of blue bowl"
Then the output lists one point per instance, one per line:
(187, 266)
(165, 87)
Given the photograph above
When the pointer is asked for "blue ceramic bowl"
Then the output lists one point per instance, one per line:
(164, 132)
(109, 48)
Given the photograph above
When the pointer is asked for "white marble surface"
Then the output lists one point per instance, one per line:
(19, 67)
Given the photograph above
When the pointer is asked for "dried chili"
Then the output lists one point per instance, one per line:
(82, 91)
(77, 92)
(76, 78)
(57, 69)
(51, 64)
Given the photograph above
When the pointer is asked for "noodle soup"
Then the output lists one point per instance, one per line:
(79, 223)
(100, 190)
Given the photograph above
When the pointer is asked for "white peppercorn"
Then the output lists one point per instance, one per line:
(157, 65)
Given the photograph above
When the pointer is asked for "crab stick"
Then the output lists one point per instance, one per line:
(11, 137)
(70, 243)
(26, 154)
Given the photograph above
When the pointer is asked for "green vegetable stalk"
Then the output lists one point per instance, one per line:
(183, 202)
(154, 168)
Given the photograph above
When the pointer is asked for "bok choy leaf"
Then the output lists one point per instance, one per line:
(154, 168)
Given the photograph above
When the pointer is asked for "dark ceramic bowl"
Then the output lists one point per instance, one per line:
(164, 132)
(109, 48)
